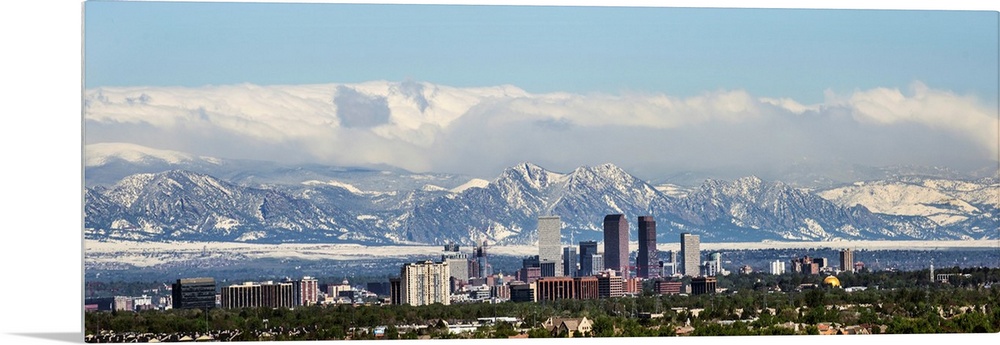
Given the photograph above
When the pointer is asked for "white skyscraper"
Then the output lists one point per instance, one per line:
(690, 254)
(777, 267)
(549, 247)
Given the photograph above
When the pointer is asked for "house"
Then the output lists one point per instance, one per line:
(684, 330)
(568, 326)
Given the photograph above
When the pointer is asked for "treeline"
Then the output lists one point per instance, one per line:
(904, 302)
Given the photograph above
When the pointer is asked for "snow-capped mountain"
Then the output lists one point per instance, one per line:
(752, 208)
(179, 204)
(274, 203)
(106, 163)
(965, 209)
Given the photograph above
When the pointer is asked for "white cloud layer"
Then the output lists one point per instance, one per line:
(427, 127)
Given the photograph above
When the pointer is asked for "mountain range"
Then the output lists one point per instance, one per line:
(139, 193)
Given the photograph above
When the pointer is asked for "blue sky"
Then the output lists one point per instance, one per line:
(767, 52)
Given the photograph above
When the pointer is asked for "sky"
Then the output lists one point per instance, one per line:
(657, 91)
(794, 53)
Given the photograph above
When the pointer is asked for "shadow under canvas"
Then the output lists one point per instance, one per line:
(72, 337)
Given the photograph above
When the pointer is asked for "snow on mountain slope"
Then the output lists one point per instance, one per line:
(334, 183)
(673, 190)
(903, 199)
(473, 183)
(981, 192)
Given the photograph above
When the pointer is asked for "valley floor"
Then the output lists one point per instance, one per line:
(145, 254)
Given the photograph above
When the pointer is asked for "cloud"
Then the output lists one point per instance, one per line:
(940, 110)
(356, 109)
(478, 131)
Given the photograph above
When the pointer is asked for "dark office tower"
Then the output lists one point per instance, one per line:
(194, 293)
(847, 260)
(647, 259)
(616, 243)
(587, 251)
(569, 261)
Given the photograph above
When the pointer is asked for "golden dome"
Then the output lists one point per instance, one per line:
(832, 281)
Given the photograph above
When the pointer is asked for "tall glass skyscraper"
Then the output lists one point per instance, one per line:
(587, 251)
(549, 246)
(569, 261)
(646, 260)
(616, 243)
(690, 254)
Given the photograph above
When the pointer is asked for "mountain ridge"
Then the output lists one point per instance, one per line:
(181, 204)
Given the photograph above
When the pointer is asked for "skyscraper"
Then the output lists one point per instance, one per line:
(597, 262)
(548, 241)
(646, 260)
(424, 283)
(777, 267)
(569, 261)
(690, 254)
(308, 291)
(483, 268)
(847, 260)
(616, 243)
(587, 251)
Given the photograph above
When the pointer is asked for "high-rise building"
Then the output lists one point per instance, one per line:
(690, 254)
(308, 291)
(587, 251)
(847, 260)
(805, 265)
(458, 264)
(597, 262)
(483, 268)
(569, 262)
(777, 267)
(549, 241)
(708, 269)
(647, 259)
(424, 283)
(193, 293)
(616, 243)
